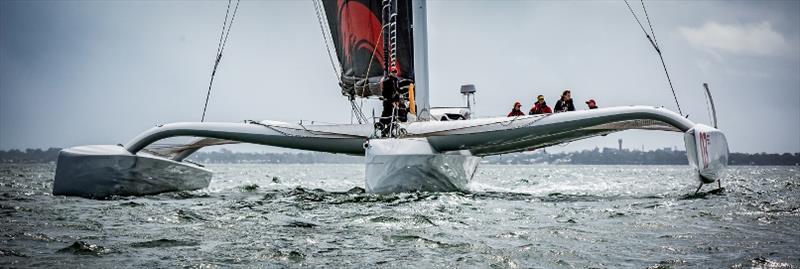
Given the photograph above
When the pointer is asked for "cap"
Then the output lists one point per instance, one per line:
(591, 101)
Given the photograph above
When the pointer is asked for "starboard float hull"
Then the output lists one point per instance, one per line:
(104, 170)
(707, 151)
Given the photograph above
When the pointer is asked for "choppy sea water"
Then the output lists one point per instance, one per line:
(540, 216)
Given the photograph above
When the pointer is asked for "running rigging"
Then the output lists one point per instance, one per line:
(654, 42)
(226, 30)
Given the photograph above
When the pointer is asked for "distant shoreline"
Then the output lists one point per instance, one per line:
(605, 156)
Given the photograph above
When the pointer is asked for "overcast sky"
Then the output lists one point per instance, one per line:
(94, 72)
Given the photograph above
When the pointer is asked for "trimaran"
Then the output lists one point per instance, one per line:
(437, 149)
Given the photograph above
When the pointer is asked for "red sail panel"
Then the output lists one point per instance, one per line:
(355, 27)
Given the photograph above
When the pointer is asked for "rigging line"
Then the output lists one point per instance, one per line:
(361, 110)
(660, 56)
(386, 22)
(220, 49)
(224, 25)
(510, 122)
(535, 120)
(355, 110)
(230, 25)
(304, 129)
(275, 129)
(642, 26)
(359, 113)
(655, 40)
(503, 122)
(371, 58)
(353, 113)
(319, 10)
(670, 83)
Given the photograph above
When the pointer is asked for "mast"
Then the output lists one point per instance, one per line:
(421, 85)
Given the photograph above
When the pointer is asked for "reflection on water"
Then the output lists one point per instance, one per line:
(319, 216)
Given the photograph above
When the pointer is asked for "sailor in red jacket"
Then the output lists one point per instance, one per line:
(592, 104)
(540, 107)
(516, 111)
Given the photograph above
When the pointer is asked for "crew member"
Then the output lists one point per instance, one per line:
(592, 104)
(516, 111)
(389, 89)
(565, 104)
(402, 111)
(540, 107)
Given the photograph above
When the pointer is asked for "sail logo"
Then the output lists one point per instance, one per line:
(360, 34)
(705, 141)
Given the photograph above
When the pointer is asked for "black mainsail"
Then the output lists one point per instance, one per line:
(372, 38)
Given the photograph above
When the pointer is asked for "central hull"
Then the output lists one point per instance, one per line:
(431, 172)
(408, 165)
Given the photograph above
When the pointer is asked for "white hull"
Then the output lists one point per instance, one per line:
(432, 155)
(707, 150)
(409, 173)
(407, 165)
(103, 170)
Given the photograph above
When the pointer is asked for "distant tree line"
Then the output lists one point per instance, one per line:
(664, 156)
(596, 156)
(764, 159)
(29, 155)
(227, 156)
(221, 156)
(608, 156)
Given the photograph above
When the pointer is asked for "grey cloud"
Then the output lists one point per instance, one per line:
(754, 38)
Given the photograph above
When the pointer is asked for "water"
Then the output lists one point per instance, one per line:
(313, 216)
